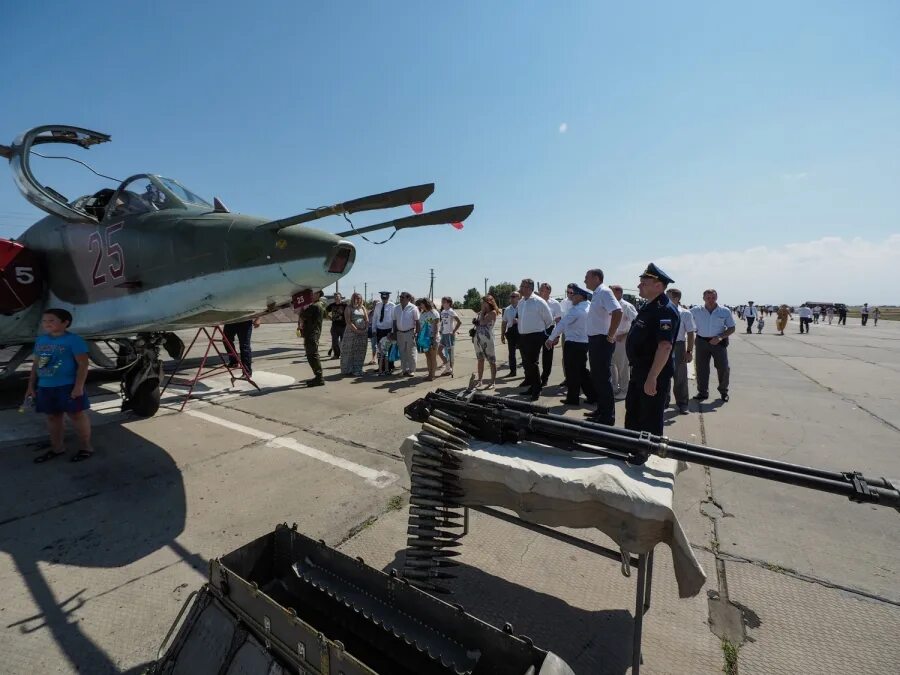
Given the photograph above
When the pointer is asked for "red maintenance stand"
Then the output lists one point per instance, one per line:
(215, 341)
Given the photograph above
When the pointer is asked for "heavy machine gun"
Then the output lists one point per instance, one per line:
(502, 420)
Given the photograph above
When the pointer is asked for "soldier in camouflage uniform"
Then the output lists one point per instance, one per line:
(310, 323)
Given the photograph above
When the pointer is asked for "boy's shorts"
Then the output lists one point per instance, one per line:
(448, 339)
(58, 400)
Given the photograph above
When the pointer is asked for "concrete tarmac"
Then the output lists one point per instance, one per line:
(96, 558)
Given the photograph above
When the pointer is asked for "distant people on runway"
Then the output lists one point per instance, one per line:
(876, 314)
(864, 314)
(781, 318)
(750, 314)
(805, 314)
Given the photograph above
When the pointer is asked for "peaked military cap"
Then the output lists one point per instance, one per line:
(654, 272)
(578, 290)
(383, 293)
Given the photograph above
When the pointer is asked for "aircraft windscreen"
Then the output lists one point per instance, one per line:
(183, 193)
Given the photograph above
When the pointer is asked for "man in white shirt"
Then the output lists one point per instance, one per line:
(544, 291)
(533, 319)
(714, 324)
(806, 315)
(383, 319)
(509, 330)
(604, 318)
(574, 326)
(621, 371)
(750, 314)
(406, 327)
(682, 352)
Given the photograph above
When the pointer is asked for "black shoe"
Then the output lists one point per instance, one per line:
(543, 383)
(724, 398)
(566, 401)
(563, 384)
(593, 414)
(701, 397)
(512, 373)
(524, 383)
(683, 410)
(535, 397)
(315, 382)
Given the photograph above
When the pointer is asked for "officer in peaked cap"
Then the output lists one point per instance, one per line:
(649, 349)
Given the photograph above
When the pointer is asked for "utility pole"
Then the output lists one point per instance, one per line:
(365, 291)
(485, 285)
(431, 287)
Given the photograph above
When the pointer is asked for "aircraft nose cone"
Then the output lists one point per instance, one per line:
(312, 258)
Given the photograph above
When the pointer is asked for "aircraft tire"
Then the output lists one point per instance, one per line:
(145, 401)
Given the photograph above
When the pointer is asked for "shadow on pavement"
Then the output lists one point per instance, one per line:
(597, 642)
(110, 511)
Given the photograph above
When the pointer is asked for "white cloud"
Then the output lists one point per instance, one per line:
(833, 269)
(563, 128)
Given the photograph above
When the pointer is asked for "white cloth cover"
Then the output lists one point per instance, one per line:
(632, 505)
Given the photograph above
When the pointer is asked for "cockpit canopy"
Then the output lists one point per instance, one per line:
(143, 193)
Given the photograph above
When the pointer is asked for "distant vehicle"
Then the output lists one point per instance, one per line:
(825, 305)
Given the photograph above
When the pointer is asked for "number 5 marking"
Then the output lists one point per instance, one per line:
(25, 275)
(114, 250)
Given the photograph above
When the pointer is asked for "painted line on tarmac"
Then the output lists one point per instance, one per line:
(379, 479)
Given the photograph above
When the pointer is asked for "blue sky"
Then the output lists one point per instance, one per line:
(754, 148)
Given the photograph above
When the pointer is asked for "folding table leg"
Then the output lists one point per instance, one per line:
(649, 581)
(639, 608)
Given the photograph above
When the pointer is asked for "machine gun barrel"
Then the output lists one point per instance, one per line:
(501, 420)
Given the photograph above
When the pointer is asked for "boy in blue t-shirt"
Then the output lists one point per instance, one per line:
(59, 369)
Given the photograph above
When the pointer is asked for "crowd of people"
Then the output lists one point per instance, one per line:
(611, 349)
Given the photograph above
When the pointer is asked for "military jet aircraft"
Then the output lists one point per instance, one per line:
(137, 262)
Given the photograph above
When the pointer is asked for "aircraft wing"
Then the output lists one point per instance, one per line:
(384, 200)
(455, 214)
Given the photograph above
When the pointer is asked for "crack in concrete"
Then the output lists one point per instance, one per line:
(366, 523)
(726, 620)
(322, 434)
(830, 390)
(794, 574)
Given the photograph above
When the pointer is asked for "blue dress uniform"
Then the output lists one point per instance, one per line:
(657, 321)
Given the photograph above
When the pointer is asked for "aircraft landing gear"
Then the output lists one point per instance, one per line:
(140, 383)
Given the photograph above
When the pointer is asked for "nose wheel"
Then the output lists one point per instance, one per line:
(140, 383)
